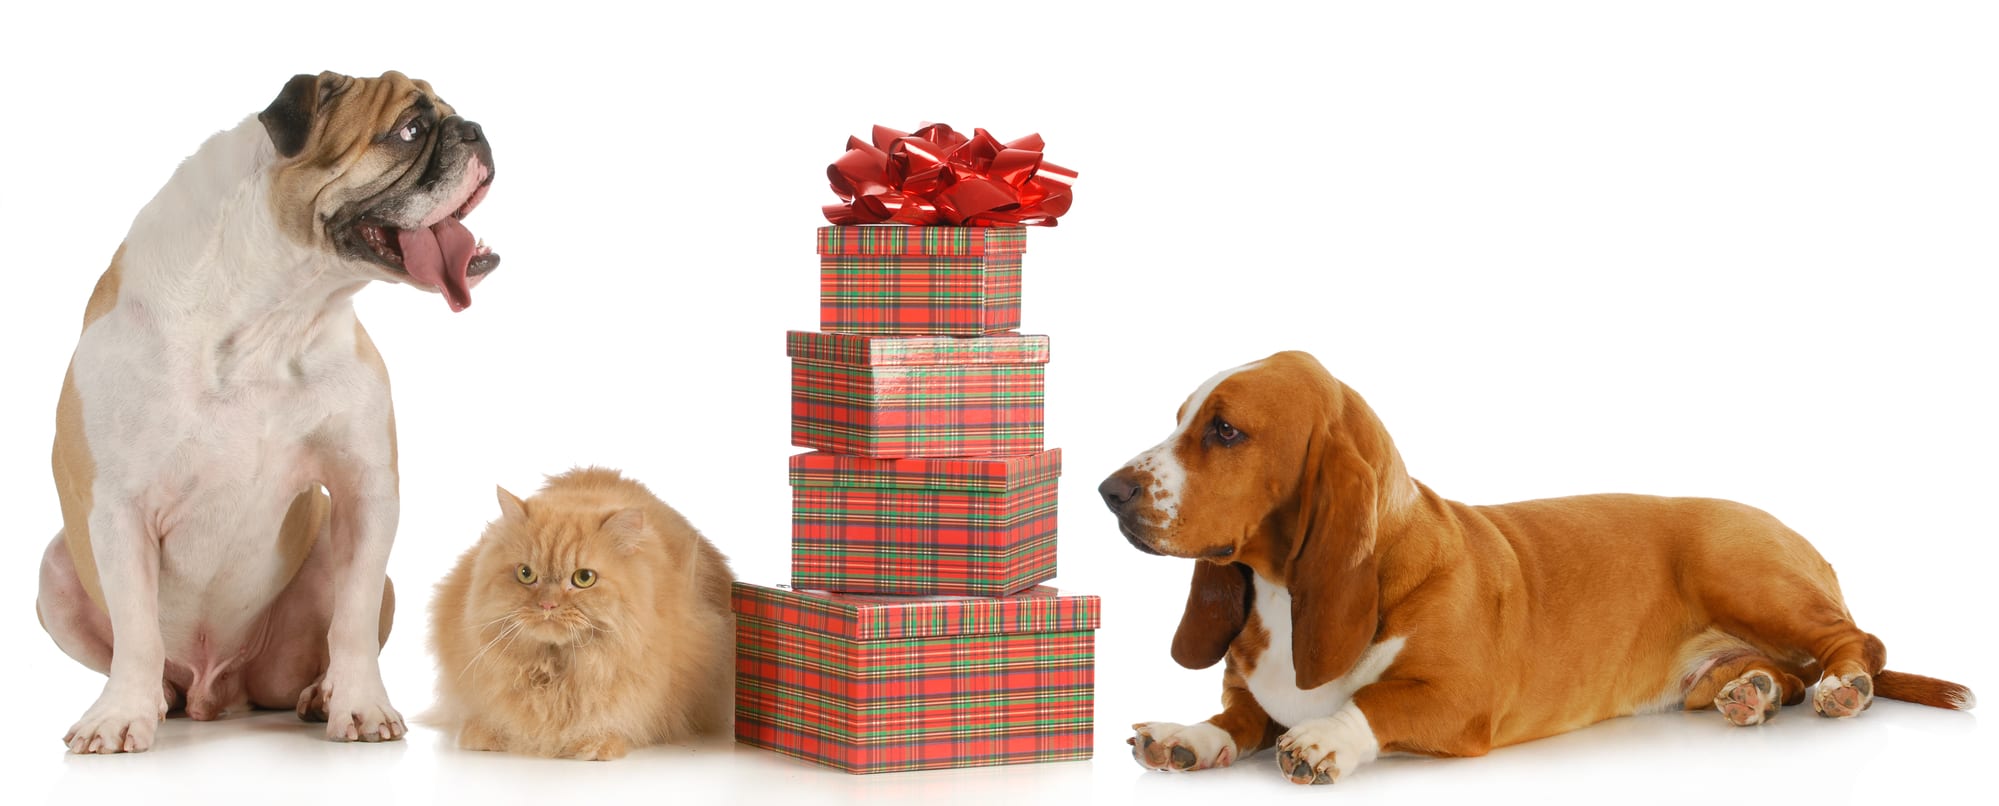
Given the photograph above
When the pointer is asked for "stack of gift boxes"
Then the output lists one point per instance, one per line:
(915, 633)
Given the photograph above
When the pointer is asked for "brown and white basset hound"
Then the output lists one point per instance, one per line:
(1361, 613)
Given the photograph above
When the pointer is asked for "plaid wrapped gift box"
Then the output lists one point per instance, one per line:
(920, 281)
(969, 527)
(879, 684)
(886, 397)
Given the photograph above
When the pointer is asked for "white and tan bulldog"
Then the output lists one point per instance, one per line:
(225, 447)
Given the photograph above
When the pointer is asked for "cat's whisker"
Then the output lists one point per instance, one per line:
(512, 628)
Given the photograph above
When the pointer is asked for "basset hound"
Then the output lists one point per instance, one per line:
(1361, 613)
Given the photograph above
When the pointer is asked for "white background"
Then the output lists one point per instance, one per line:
(1732, 249)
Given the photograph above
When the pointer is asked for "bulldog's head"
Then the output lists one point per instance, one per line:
(380, 172)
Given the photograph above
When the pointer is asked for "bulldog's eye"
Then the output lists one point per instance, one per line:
(410, 131)
(1224, 433)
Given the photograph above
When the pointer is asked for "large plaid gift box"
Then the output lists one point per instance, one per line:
(971, 527)
(879, 684)
(888, 397)
(920, 281)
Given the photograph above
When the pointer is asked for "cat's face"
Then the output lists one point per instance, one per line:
(558, 577)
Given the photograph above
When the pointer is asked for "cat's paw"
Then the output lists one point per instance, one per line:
(475, 736)
(603, 748)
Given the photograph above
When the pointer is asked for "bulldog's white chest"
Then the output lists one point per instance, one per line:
(1274, 680)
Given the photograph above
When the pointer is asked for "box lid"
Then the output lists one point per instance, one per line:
(904, 241)
(864, 617)
(985, 474)
(883, 351)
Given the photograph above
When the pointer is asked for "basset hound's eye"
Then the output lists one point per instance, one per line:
(1224, 434)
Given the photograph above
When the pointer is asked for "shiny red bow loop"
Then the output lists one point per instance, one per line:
(936, 175)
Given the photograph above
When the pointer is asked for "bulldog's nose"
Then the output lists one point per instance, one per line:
(1119, 490)
(470, 132)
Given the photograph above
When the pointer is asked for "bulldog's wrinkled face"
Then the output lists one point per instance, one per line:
(1229, 469)
(381, 172)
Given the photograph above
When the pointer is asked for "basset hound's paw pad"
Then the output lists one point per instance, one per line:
(1844, 696)
(1173, 747)
(1750, 699)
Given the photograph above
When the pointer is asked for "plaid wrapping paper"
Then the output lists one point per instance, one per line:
(883, 397)
(875, 684)
(976, 527)
(949, 281)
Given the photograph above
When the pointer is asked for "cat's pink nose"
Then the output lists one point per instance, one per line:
(548, 605)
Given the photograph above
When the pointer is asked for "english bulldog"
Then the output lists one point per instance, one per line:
(225, 448)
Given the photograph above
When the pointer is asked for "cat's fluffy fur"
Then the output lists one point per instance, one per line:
(641, 655)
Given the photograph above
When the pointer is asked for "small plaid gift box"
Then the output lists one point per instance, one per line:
(879, 684)
(920, 281)
(971, 527)
(887, 397)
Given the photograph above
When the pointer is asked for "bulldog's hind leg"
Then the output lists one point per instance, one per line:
(80, 628)
(1242, 728)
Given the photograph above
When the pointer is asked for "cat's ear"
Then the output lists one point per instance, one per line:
(627, 529)
(511, 507)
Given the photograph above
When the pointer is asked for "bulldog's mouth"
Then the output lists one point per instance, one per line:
(441, 254)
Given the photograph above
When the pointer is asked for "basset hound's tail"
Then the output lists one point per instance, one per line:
(1922, 690)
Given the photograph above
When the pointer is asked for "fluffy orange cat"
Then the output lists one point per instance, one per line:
(588, 620)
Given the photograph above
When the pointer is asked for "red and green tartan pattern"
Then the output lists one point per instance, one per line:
(888, 405)
(919, 296)
(903, 241)
(923, 526)
(947, 281)
(954, 700)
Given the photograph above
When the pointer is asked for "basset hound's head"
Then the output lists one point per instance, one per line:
(1278, 469)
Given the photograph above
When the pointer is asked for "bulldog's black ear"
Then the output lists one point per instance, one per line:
(289, 118)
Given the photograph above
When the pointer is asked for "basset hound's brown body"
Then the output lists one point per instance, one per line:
(1360, 612)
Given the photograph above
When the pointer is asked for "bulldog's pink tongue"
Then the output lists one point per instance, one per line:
(437, 257)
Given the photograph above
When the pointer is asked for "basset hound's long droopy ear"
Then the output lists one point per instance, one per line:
(1332, 578)
(1217, 606)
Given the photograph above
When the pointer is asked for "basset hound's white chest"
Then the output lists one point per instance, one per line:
(1274, 681)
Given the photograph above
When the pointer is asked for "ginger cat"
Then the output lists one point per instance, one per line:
(588, 620)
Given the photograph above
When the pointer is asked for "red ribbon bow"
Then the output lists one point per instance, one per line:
(938, 176)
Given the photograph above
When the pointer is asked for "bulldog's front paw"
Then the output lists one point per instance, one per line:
(1322, 751)
(1175, 747)
(118, 723)
(354, 710)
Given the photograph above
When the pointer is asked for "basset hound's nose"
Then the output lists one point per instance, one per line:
(1119, 490)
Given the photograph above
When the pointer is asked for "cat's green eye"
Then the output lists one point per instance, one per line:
(583, 578)
(525, 575)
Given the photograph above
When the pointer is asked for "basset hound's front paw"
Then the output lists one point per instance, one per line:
(1324, 750)
(1174, 747)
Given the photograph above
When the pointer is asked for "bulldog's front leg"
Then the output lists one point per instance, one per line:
(129, 710)
(351, 697)
(1406, 715)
